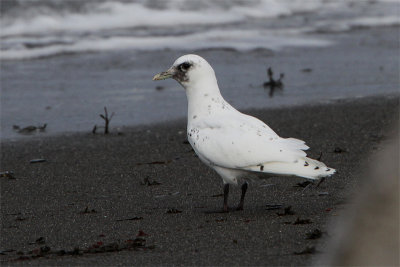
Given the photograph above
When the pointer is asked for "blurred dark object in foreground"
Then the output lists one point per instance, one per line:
(368, 234)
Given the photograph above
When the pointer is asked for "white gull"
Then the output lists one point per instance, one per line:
(234, 144)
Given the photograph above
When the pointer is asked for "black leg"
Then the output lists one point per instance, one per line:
(226, 193)
(241, 203)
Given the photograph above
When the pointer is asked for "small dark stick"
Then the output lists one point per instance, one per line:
(42, 128)
(273, 84)
(106, 120)
(279, 82)
(270, 74)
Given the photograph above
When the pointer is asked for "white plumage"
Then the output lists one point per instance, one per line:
(234, 144)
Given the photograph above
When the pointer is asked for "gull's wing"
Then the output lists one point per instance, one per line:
(240, 141)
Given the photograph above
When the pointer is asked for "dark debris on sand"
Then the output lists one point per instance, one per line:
(287, 211)
(273, 84)
(307, 250)
(7, 174)
(315, 234)
(29, 129)
(148, 182)
(138, 243)
(302, 221)
(173, 211)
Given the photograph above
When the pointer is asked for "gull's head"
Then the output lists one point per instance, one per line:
(188, 70)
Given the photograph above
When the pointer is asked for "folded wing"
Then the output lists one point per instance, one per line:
(244, 141)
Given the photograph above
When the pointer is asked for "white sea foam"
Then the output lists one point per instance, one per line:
(348, 24)
(276, 8)
(180, 24)
(377, 21)
(238, 39)
(113, 15)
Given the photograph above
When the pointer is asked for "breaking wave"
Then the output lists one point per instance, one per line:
(34, 29)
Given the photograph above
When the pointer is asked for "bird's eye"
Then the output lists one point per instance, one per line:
(184, 66)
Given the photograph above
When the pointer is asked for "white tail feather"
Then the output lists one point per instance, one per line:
(303, 167)
(297, 143)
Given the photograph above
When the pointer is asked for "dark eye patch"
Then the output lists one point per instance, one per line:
(185, 66)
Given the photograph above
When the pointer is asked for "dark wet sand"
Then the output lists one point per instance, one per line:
(104, 174)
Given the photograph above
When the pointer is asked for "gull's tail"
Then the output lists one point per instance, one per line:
(302, 167)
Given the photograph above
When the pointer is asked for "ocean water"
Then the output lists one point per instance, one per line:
(42, 28)
(63, 61)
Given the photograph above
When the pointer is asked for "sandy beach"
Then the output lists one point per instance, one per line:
(142, 197)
